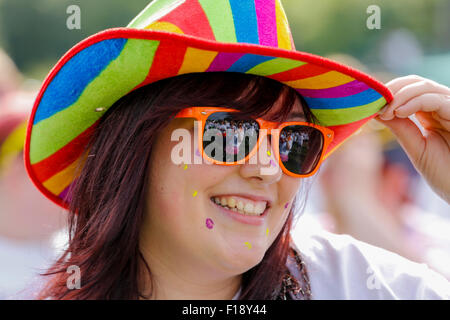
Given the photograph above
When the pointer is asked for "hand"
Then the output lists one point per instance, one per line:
(430, 103)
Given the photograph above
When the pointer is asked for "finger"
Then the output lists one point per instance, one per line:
(396, 84)
(409, 91)
(432, 121)
(445, 122)
(408, 135)
(427, 102)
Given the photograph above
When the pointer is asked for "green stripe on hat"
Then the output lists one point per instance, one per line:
(279, 64)
(220, 18)
(64, 126)
(155, 7)
(335, 117)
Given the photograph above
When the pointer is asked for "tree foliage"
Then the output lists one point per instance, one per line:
(34, 32)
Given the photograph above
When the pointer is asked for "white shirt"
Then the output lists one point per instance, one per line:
(21, 264)
(341, 267)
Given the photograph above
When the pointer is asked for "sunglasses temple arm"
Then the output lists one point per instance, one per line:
(185, 113)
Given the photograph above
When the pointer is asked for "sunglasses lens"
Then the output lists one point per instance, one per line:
(229, 138)
(300, 148)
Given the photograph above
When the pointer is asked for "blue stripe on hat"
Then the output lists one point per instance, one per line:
(362, 98)
(65, 88)
(245, 21)
(248, 62)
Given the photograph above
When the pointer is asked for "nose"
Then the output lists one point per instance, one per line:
(262, 166)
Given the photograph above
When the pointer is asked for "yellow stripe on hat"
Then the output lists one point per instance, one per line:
(284, 40)
(323, 81)
(196, 60)
(62, 179)
(164, 26)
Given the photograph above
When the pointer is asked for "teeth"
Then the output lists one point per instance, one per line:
(245, 207)
(260, 207)
(249, 208)
(232, 202)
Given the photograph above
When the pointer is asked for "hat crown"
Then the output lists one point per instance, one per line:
(260, 22)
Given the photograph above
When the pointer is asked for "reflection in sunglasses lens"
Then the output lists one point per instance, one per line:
(300, 148)
(228, 138)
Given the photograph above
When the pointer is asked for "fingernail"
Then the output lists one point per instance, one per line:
(383, 110)
(385, 117)
(398, 113)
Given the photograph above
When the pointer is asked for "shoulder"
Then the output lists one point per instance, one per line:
(341, 267)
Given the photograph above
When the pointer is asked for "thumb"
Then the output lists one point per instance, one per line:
(408, 135)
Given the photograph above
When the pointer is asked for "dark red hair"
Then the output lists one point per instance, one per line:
(108, 201)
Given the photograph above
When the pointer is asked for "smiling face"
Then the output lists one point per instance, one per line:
(190, 219)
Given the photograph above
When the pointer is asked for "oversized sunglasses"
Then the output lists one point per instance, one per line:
(299, 146)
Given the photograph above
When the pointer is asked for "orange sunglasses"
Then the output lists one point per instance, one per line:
(299, 146)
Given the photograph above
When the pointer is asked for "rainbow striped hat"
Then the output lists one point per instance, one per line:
(173, 37)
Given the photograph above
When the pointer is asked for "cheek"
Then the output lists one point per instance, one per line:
(182, 193)
(177, 192)
(287, 189)
(168, 218)
(166, 190)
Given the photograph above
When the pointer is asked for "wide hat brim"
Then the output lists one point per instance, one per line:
(100, 70)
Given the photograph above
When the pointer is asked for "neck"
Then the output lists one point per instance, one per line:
(180, 278)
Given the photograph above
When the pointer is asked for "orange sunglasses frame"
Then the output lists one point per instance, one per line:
(202, 113)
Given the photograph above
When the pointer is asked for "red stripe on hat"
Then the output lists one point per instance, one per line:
(344, 131)
(191, 19)
(47, 168)
(167, 61)
(301, 72)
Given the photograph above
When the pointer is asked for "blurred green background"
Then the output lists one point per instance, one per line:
(414, 35)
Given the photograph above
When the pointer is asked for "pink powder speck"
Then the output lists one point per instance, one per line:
(209, 223)
(286, 205)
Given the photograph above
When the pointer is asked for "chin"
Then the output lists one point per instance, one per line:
(243, 259)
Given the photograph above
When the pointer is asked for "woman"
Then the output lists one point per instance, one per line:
(104, 142)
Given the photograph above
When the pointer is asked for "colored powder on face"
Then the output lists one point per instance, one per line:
(273, 163)
(185, 166)
(195, 193)
(209, 223)
(248, 244)
(268, 153)
(286, 205)
(267, 232)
